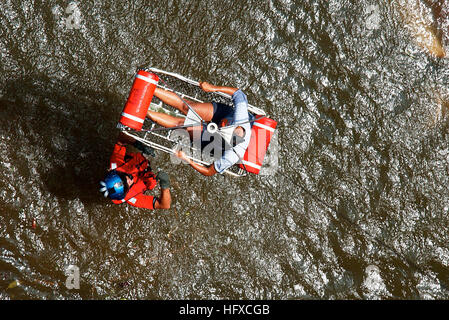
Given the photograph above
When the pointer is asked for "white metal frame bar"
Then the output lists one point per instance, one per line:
(251, 108)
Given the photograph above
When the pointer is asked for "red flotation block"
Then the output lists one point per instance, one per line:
(261, 133)
(139, 100)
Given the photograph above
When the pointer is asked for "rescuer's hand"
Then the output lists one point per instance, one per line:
(144, 148)
(163, 179)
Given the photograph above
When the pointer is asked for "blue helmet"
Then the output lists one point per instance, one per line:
(114, 185)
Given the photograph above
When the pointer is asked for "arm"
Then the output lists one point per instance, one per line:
(228, 159)
(150, 202)
(124, 139)
(212, 88)
(164, 201)
(240, 102)
(118, 156)
(206, 171)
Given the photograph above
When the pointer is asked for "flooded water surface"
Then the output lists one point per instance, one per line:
(356, 208)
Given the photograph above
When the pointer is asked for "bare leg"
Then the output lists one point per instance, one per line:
(169, 121)
(205, 110)
(165, 120)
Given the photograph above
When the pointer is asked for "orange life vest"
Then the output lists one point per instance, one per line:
(138, 166)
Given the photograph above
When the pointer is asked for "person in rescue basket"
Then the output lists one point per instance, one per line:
(237, 135)
(130, 176)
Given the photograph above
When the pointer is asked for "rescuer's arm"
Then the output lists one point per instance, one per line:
(206, 171)
(151, 202)
(142, 201)
(118, 156)
(164, 201)
(124, 139)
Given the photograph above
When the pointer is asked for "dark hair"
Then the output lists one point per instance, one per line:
(237, 139)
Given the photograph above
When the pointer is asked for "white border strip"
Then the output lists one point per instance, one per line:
(264, 126)
(131, 117)
(146, 79)
(251, 164)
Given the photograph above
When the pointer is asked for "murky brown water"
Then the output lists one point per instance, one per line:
(358, 208)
